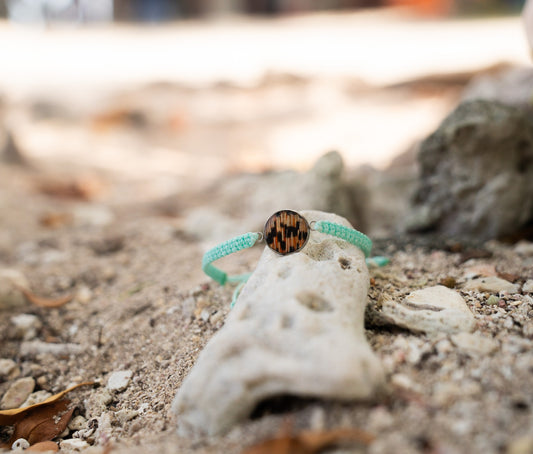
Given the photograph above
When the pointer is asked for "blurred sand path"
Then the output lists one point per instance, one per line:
(381, 47)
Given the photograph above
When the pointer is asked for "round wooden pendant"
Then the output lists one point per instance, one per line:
(286, 231)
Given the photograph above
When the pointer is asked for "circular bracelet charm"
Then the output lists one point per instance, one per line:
(286, 232)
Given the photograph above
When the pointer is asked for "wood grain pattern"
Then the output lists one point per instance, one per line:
(286, 232)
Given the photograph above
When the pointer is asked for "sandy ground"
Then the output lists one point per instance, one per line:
(139, 296)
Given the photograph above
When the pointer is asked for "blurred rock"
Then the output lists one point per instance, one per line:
(119, 380)
(474, 345)
(528, 286)
(245, 202)
(36, 398)
(17, 393)
(431, 310)
(296, 329)
(476, 173)
(511, 86)
(491, 284)
(9, 150)
(93, 215)
(39, 348)
(11, 281)
(8, 369)
(26, 325)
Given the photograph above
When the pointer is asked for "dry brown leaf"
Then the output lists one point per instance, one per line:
(45, 302)
(55, 220)
(11, 416)
(87, 187)
(309, 442)
(43, 423)
(44, 446)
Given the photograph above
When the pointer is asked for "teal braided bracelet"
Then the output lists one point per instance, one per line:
(285, 232)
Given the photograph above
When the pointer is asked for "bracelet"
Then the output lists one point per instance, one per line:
(285, 232)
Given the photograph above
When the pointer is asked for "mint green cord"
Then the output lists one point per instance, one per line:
(345, 233)
(227, 247)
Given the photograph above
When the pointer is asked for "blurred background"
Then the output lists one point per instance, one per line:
(151, 99)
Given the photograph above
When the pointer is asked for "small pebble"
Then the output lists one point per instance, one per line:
(119, 381)
(404, 382)
(10, 283)
(482, 269)
(204, 315)
(524, 248)
(77, 423)
(491, 284)
(8, 369)
(493, 300)
(432, 310)
(39, 347)
(27, 325)
(126, 415)
(528, 286)
(36, 398)
(73, 445)
(93, 216)
(84, 294)
(449, 282)
(17, 393)
(21, 443)
(317, 420)
(474, 345)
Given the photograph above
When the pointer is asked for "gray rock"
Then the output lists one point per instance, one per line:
(491, 284)
(432, 310)
(476, 173)
(512, 86)
(297, 328)
(17, 393)
(119, 381)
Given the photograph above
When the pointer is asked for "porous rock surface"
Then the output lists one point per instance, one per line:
(476, 173)
(296, 329)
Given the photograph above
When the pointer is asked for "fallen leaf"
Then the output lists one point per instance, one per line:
(309, 442)
(55, 220)
(43, 423)
(44, 446)
(45, 302)
(11, 416)
(86, 187)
